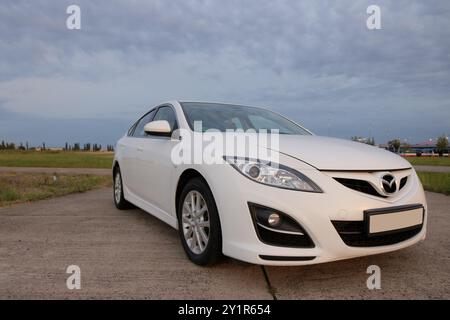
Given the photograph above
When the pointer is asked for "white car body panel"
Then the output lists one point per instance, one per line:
(325, 153)
(150, 182)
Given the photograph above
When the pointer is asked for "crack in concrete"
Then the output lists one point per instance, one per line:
(270, 288)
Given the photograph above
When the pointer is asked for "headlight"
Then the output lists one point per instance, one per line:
(271, 174)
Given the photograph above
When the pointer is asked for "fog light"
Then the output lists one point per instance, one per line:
(276, 228)
(274, 219)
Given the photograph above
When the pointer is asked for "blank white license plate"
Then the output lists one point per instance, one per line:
(384, 222)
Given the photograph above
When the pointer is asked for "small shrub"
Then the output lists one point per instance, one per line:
(9, 194)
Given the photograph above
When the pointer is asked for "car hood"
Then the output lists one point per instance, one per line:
(326, 153)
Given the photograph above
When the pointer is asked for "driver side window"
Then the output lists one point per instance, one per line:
(167, 113)
(139, 130)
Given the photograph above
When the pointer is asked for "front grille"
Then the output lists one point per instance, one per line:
(403, 182)
(365, 187)
(359, 185)
(353, 234)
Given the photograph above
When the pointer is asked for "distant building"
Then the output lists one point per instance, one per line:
(48, 149)
(424, 148)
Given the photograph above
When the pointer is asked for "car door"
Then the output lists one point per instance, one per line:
(131, 170)
(156, 168)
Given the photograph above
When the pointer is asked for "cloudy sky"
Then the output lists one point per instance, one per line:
(314, 61)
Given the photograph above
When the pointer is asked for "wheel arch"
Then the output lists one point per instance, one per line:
(187, 175)
(115, 166)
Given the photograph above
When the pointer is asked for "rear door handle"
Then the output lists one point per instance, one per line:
(140, 149)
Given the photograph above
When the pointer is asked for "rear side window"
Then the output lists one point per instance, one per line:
(167, 113)
(139, 127)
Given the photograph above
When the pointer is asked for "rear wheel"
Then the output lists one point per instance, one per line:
(119, 199)
(199, 224)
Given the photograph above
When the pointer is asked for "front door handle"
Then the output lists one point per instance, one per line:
(140, 149)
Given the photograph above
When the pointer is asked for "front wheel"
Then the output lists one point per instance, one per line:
(199, 224)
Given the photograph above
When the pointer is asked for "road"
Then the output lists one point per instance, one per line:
(432, 168)
(130, 254)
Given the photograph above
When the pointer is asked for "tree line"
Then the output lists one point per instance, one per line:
(370, 141)
(395, 145)
(87, 147)
(4, 145)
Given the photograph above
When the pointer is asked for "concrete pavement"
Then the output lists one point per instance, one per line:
(122, 254)
(432, 168)
(130, 254)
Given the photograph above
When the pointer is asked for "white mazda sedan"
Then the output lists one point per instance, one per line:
(292, 198)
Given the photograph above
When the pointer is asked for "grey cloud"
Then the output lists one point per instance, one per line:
(302, 58)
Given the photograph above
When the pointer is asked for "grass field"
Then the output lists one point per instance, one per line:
(74, 159)
(435, 181)
(16, 188)
(429, 161)
(56, 159)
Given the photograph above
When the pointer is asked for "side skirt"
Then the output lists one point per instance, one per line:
(150, 209)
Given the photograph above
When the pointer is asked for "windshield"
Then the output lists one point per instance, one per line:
(224, 117)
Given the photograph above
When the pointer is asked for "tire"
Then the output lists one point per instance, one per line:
(193, 225)
(119, 199)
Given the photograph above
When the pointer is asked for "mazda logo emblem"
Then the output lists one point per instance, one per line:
(389, 184)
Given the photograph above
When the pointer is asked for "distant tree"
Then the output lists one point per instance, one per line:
(66, 146)
(87, 147)
(96, 147)
(442, 145)
(43, 146)
(21, 147)
(26, 145)
(76, 147)
(394, 145)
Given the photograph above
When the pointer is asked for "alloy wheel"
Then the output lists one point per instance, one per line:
(117, 187)
(195, 222)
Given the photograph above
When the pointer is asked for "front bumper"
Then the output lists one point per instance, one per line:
(315, 212)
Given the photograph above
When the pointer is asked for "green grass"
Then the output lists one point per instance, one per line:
(56, 159)
(435, 181)
(21, 187)
(429, 161)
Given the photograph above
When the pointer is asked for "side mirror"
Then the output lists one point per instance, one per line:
(158, 127)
